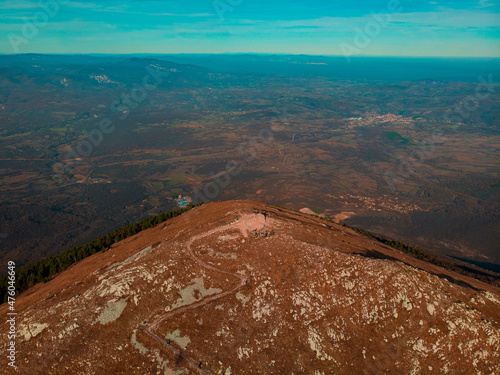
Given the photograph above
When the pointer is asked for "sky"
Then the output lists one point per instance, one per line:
(460, 28)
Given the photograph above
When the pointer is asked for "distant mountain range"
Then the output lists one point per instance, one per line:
(75, 71)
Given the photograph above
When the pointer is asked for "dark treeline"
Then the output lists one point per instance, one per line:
(439, 260)
(434, 259)
(44, 270)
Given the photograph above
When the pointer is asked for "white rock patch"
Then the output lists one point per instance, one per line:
(431, 308)
(112, 312)
(31, 330)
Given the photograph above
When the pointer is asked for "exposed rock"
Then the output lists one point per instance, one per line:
(112, 312)
(313, 298)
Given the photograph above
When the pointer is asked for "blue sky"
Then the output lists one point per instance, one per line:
(320, 27)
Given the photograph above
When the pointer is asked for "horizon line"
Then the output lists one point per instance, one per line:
(242, 53)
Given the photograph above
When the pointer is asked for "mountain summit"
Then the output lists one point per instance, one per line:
(246, 288)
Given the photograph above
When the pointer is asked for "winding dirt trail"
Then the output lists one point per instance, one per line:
(243, 280)
(285, 156)
(286, 144)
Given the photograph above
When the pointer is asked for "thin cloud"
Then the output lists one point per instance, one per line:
(11, 5)
(486, 3)
(123, 9)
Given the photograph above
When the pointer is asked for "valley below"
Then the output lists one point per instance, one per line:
(383, 149)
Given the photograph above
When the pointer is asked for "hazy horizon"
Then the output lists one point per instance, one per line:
(368, 28)
(248, 53)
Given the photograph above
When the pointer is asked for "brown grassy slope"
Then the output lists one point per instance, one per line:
(320, 298)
